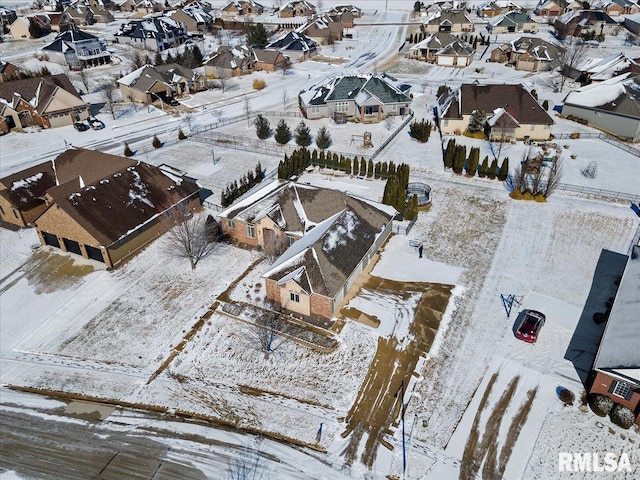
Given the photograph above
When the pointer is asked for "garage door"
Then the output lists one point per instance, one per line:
(72, 246)
(446, 61)
(50, 239)
(94, 253)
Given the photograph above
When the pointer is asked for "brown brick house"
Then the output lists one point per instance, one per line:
(297, 8)
(616, 369)
(329, 236)
(100, 206)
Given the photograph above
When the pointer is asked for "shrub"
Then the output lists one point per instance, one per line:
(545, 105)
(574, 135)
(601, 405)
(566, 396)
(156, 142)
(323, 138)
(621, 416)
(127, 151)
(283, 133)
(515, 194)
(181, 135)
(263, 129)
(259, 84)
(420, 130)
(527, 195)
(303, 135)
(539, 197)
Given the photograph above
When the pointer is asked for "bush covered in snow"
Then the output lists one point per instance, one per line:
(601, 405)
(622, 416)
(566, 396)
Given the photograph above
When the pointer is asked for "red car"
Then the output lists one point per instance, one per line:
(530, 326)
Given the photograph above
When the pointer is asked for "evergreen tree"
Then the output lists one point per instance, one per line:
(477, 121)
(169, 59)
(545, 105)
(303, 135)
(263, 129)
(259, 173)
(450, 153)
(282, 171)
(257, 35)
(127, 151)
(411, 212)
(356, 167)
(196, 56)
(390, 191)
(370, 169)
(384, 170)
(482, 170)
(377, 169)
(474, 160)
(158, 59)
(363, 167)
(459, 158)
(322, 161)
(420, 130)
(314, 158)
(156, 142)
(347, 166)
(391, 171)
(323, 139)
(493, 169)
(283, 133)
(35, 30)
(181, 135)
(504, 170)
(401, 197)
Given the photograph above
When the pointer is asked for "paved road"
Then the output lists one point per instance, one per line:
(38, 439)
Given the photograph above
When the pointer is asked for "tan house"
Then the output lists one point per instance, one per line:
(514, 112)
(513, 22)
(237, 8)
(161, 82)
(448, 21)
(577, 23)
(46, 102)
(297, 8)
(20, 27)
(271, 60)
(443, 49)
(329, 237)
(112, 210)
(230, 62)
(323, 29)
(528, 53)
(551, 8)
(195, 19)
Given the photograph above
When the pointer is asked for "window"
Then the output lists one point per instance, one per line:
(371, 109)
(314, 109)
(621, 389)
(251, 231)
(290, 240)
(394, 108)
(342, 107)
(532, 128)
(446, 123)
(294, 297)
(231, 224)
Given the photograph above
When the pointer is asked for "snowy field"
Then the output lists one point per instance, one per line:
(68, 325)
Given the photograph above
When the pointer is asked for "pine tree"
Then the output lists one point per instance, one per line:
(181, 135)
(377, 169)
(477, 121)
(363, 167)
(314, 158)
(156, 142)
(259, 173)
(322, 160)
(482, 170)
(504, 170)
(303, 135)
(127, 151)
(391, 171)
(323, 139)
(459, 158)
(347, 166)
(370, 169)
(356, 167)
(474, 159)
(169, 59)
(545, 105)
(263, 129)
(384, 170)
(420, 130)
(401, 197)
(158, 59)
(390, 191)
(283, 133)
(449, 153)
(257, 35)
(493, 169)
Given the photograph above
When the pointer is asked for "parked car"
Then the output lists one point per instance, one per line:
(96, 124)
(81, 126)
(173, 102)
(530, 326)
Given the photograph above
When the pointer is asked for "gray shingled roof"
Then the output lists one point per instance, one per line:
(348, 87)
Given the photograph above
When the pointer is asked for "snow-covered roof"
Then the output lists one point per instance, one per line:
(619, 352)
(619, 94)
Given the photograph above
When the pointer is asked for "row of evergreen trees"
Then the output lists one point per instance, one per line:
(238, 188)
(474, 40)
(191, 58)
(283, 134)
(395, 193)
(455, 157)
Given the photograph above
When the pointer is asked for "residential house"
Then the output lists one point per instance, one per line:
(629, 7)
(77, 50)
(296, 46)
(20, 27)
(323, 29)
(160, 82)
(551, 8)
(88, 12)
(599, 69)
(9, 71)
(612, 9)
(428, 8)
(369, 98)
(237, 8)
(7, 17)
(452, 21)
(612, 105)
(531, 54)
(353, 10)
(496, 7)
(616, 369)
(102, 207)
(197, 21)
(141, 7)
(230, 62)
(297, 8)
(330, 237)
(47, 102)
(443, 49)
(522, 116)
(60, 22)
(155, 33)
(583, 22)
(271, 60)
(632, 23)
(513, 22)
(201, 4)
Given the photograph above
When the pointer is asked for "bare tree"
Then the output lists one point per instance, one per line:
(519, 179)
(536, 180)
(389, 120)
(320, 6)
(108, 95)
(571, 58)
(218, 114)
(424, 85)
(285, 66)
(268, 331)
(285, 98)
(553, 177)
(222, 83)
(247, 110)
(188, 117)
(498, 141)
(84, 77)
(193, 236)
(248, 464)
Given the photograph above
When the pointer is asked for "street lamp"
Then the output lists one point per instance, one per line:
(166, 125)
